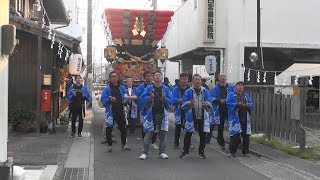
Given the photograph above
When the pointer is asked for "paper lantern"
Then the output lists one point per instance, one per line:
(75, 64)
(211, 64)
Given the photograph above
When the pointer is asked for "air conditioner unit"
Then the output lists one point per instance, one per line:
(35, 13)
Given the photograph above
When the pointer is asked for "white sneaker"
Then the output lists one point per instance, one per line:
(164, 156)
(154, 146)
(143, 156)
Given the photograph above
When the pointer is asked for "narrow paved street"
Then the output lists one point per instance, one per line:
(126, 165)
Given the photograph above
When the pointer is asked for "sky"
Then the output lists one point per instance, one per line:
(140, 4)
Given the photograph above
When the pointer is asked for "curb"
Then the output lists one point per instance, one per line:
(91, 156)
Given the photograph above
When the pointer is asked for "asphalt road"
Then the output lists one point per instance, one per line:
(126, 165)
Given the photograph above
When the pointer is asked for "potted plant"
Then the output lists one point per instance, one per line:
(44, 123)
(20, 119)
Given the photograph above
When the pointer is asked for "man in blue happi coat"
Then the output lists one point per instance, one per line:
(177, 95)
(148, 77)
(197, 105)
(112, 98)
(156, 102)
(239, 111)
(132, 101)
(76, 95)
(219, 108)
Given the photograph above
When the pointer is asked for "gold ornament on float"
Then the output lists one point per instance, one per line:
(161, 54)
(110, 53)
(139, 27)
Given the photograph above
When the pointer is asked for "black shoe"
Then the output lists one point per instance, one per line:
(125, 148)
(109, 149)
(114, 141)
(222, 147)
(79, 135)
(202, 156)
(71, 135)
(176, 146)
(245, 155)
(232, 155)
(183, 155)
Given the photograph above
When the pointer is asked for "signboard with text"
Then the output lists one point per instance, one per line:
(210, 22)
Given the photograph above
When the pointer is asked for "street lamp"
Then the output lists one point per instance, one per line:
(255, 56)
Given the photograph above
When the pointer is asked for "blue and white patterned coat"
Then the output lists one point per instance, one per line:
(176, 95)
(215, 94)
(233, 114)
(105, 100)
(187, 97)
(140, 89)
(133, 103)
(84, 90)
(148, 105)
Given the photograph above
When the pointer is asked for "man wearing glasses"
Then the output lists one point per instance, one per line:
(112, 99)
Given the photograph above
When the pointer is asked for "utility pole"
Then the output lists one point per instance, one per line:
(39, 75)
(89, 48)
(4, 64)
(101, 80)
(154, 4)
(259, 33)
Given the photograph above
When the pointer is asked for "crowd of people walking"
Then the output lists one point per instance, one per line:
(197, 110)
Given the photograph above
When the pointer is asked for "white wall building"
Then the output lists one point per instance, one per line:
(289, 34)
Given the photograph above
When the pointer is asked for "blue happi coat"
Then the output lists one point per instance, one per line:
(215, 94)
(188, 96)
(84, 91)
(132, 103)
(105, 100)
(175, 96)
(233, 115)
(148, 105)
(140, 89)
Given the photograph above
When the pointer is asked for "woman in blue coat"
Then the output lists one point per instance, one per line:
(240, 106)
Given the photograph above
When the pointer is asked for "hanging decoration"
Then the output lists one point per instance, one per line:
(296, 80)
(265, 77)
(310, 80)
(50, 33)
(258, 76)
(275, 79)
(67, 55)
(248, 75)
(52, 40)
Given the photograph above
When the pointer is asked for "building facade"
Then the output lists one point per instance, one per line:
(228, 30)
